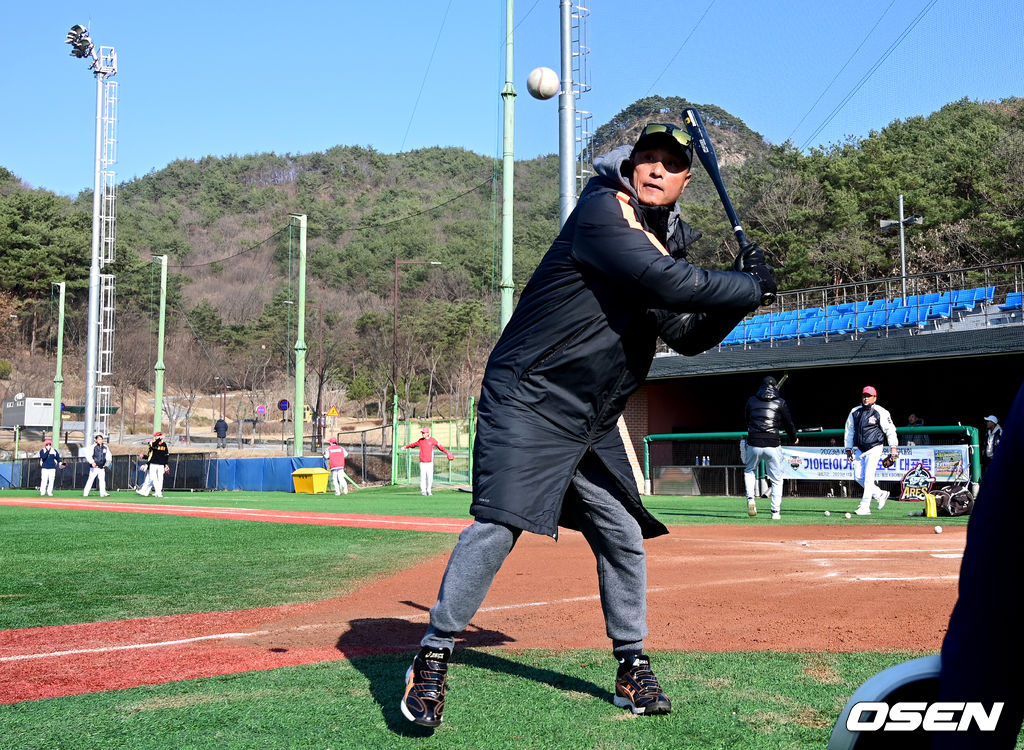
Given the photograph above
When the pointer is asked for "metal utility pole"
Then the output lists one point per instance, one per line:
(300, 342)
(104, 67)
(158, 368)
(903, 222)
(58, 378)
(508, 96)
(566, 120)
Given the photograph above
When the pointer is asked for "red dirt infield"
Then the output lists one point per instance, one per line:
(757, 586)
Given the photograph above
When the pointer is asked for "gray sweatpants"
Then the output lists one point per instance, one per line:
(613, 534)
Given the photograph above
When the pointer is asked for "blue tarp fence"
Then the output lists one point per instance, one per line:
(10, 475)
(258, 474)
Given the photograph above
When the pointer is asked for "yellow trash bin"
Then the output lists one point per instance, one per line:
(313, 481)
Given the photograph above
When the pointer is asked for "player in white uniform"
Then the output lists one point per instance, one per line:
(868, 428)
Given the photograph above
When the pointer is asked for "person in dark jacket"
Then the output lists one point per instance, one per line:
(580, 341)
(766, 413)
(100, 460)
(221, 430)
(981, 655)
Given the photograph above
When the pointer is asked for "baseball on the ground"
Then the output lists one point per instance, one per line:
(848, 515)
(938, 529)
(827, 513)
(542, 83)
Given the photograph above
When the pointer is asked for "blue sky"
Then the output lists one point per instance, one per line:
(222, 77)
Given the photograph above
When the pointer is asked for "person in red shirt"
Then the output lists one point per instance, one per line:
(426, 444)
(334, 455)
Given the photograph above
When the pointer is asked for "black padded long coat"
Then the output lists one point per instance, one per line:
(581, 340)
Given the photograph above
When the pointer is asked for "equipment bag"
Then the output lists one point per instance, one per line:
(954, 500)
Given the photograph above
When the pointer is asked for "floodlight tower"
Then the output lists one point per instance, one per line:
(575, 150)
(100, 341)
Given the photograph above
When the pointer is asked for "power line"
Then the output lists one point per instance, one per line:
(840, 71)
(871, 71)
(362, 227)
(672, 59)
(426, 71)
(235, 255)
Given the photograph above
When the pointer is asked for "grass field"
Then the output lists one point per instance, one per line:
(69, 566)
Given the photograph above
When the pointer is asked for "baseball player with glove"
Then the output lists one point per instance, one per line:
(868, 428)
(548, 451)
(99, 461)
(49, 461)
(156, 459)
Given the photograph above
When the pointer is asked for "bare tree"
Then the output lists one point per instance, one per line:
(193, 376)
(133, 364)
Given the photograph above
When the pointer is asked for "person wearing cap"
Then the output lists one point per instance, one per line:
(766, 413)
(49, 461)
(869, 428)
(548, 451)
(99, 460)
(334, 456)
(156, 459)
(993, 434)
(426, 444)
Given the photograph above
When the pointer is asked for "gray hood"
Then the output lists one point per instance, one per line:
(615, 165)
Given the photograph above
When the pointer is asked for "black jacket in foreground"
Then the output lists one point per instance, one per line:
(581, 340)
(767, 413)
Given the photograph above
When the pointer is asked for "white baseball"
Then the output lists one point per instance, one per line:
(938, 529)
(542, 83)
(827, 513)
(848, 515)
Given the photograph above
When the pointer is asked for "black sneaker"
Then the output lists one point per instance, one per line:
(423, 702)
(637, 689)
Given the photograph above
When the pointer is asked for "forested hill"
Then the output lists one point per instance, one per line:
(222, 222)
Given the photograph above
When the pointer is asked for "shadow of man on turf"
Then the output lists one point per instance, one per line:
(381, 649)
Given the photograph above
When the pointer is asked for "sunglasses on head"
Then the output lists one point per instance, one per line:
(681, 136)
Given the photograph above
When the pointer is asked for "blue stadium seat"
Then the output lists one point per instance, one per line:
(939, 311)
(1014, 301)
(819, 328)
(871, 306)
(841, 323)
(898, 317)
(785, 330)
(879, 319)
(964, 300)
(844, 307)
(985, 294)
(929, 299)
(916, 314)
(863, 321)
(757, 332)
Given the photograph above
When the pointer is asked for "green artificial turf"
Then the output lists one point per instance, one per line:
(68, 566)
(496, 699)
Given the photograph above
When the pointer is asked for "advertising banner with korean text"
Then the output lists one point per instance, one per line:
(947, 463)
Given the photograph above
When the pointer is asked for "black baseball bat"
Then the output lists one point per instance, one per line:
(706, 153)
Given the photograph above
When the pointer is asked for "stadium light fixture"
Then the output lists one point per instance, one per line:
(394, 325)
(902, 222)
(81, 43)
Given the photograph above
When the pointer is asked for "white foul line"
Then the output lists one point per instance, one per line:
(105, 649)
